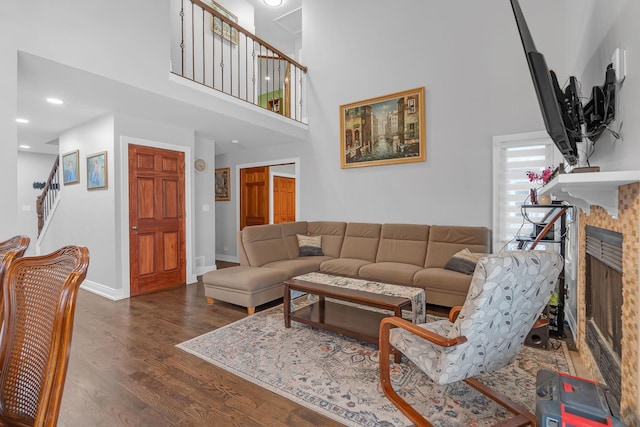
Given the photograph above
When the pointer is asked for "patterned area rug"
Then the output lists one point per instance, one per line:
(338, 376)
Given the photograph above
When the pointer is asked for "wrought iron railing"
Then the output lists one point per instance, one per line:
(47, 198)
(216, 52)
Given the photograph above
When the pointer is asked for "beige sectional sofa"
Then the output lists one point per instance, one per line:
(404, 254)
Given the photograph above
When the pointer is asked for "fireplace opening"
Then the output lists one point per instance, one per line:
(604, 303)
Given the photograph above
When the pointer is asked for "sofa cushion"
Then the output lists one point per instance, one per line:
(403, 243)
(290, 231)
(310, 245)
(332, 233)
(244, 278)
(264, 244)
(343, 266)
(295, 267)
(389, 272)
(452, 287)
(361, 241)
(464, 261)
(446, 240)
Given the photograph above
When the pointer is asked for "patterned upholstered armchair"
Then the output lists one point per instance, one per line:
(507, 295)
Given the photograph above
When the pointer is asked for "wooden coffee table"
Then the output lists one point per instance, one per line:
(354, 322)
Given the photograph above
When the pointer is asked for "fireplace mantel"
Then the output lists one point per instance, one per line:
(591, 188)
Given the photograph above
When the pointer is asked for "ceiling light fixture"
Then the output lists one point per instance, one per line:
(24, 146)
(235, 141)
(55, 101)
(19, 120)
(273, 3)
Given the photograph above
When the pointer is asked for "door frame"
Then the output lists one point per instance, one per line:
(124, 207)
(296, 163)
(283, 175)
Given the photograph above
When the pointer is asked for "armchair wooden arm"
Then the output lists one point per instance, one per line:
(385, 350)
(522, 416)
(454, 312)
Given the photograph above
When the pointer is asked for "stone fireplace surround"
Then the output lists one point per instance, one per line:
(591, 191)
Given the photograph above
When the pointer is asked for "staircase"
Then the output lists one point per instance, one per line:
(47, 199)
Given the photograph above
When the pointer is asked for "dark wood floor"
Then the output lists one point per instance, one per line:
(124, 368)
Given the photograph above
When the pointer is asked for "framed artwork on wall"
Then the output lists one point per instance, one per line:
(97, 171)
(384, 130)
(221, 28)
(70, 170)
(222, 180)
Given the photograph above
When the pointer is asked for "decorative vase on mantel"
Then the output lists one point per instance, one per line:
(544, 199)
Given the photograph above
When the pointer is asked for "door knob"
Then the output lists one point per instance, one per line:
(135, 227)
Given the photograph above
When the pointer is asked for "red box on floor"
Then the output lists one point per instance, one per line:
(565, 400)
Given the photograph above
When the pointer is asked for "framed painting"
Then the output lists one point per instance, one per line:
(97, 171)
(222, 180)
(70, 170)
(221, 28)
(385, 130)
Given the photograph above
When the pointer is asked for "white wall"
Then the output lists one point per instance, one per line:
(86, 217)
(205, 208)
(8, 130)
(477, 86)
(32, 167)
(596, 29)
(98, 219)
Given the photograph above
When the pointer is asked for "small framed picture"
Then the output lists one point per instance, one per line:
(70, 170)
(222, 184)
(223, 29)
(97, 171)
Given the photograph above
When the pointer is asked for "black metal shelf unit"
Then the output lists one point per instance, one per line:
(544, 232)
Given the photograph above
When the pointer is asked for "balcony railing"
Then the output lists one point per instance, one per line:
(214, 51)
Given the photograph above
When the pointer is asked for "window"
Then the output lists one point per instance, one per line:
(513, 156)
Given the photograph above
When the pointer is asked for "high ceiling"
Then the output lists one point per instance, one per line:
(87, 96)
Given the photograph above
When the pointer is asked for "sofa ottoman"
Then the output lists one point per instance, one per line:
(244, 285)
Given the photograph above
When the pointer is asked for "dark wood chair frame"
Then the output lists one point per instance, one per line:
(39, 296)
(11, 249)
(523, 416)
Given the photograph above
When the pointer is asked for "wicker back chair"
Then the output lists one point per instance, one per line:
(39, 295)
(11, 249)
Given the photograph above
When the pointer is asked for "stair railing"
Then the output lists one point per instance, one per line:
(49, 194)
(216, 52)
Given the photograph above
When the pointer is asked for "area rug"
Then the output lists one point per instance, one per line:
(338, 376)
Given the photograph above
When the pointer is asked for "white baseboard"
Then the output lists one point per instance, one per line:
(228, 258)
(103, 291)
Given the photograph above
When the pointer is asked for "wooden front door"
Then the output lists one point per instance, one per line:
(156, 219)
(254, 196)
(284, 199)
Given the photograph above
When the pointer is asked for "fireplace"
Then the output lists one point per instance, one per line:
(603, 297)
(608, 201)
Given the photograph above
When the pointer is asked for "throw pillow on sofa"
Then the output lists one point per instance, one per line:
(464, 261)
(310, 245)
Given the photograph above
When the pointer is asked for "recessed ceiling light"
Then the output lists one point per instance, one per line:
(273, 3)
(24, 146)
(55, 101)
(19, 120)
(235, 141)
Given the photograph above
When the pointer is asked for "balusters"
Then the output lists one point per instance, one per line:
(230, 59)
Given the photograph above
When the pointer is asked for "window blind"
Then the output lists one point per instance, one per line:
(513, 158)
